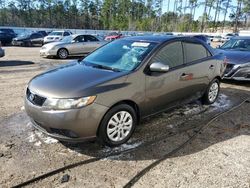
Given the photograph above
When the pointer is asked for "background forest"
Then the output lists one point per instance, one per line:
(133, 15)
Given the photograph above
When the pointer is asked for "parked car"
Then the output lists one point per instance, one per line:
(237, 51)
(228, 36)
(55, 36)
(106, 94)
(73, 45)
(113, 36)
(44, 33)
(6, 35)
(28, 39)
(2, 53)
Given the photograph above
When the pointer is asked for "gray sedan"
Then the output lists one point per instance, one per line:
(74, 45)
(107, 93)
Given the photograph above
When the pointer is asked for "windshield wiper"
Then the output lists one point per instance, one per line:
(105, 67)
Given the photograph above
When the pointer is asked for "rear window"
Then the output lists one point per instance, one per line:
(195, 51)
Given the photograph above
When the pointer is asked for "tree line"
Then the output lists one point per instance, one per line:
(133, 15)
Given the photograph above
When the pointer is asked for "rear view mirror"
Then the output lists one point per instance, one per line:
(159, 67)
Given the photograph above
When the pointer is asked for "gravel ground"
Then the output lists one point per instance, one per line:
(218, 157)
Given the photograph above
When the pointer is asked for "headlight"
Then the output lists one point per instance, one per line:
(64, 104)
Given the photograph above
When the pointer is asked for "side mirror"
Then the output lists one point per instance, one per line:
(158, 67)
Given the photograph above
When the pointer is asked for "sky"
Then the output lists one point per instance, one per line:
(199, 10)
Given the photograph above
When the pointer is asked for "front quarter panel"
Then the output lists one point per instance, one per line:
(127, 88)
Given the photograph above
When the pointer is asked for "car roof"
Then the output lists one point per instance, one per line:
(152, 38)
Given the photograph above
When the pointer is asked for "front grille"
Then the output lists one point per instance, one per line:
(34, 98)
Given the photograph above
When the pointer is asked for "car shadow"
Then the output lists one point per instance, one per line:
(15, 63)
(237, 82)
(161, 134)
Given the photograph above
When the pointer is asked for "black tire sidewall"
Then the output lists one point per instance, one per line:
(205, 97)
(102, 131)
(59, 53)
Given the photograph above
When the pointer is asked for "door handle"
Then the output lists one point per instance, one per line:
(186, 76)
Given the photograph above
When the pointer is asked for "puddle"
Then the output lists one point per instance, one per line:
(38, 138)
(222, 102)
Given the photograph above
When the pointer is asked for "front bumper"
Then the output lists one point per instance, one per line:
(67, 125)
(47, 53)
(239, 73)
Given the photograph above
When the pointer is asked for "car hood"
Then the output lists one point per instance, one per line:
(76, 80)
(53, 44)
(236, 57)
(22, 38)
(53, 36)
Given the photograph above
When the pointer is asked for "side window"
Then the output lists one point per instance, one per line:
(195, 51)
(90, 38)
(79, 38)
(66, 34)
(171, 54)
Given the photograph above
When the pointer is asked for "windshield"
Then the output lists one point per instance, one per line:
(121, 55)
(56, 33)
(237, 44)
(67, 39)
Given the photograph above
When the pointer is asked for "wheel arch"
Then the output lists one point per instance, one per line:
(60, 48)
(131, 103)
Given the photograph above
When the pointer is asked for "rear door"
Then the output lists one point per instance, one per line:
(36, 38)
(199, 68)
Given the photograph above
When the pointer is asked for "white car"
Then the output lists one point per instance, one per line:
(56, 36)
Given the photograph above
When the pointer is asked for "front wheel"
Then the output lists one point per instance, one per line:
(212, 92)
(117, 125)
(63, 53)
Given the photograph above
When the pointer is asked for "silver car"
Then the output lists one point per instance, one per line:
(73, 45)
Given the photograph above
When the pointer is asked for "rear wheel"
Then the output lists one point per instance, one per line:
(117, 125)
(63, 53)
(212, 92)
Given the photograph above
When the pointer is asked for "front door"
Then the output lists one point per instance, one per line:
(164, 90)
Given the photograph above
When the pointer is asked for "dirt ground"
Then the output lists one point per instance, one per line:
(219, 156)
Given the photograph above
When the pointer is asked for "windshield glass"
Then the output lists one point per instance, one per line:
(67, 39)
(56, 33)
(237, 44)
(121, 55)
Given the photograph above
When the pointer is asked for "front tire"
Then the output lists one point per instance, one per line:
(117, 125)
(63, 53)
(212, 92)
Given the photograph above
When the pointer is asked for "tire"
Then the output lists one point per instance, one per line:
(212, 92)
(110, 130)
(63, 53)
